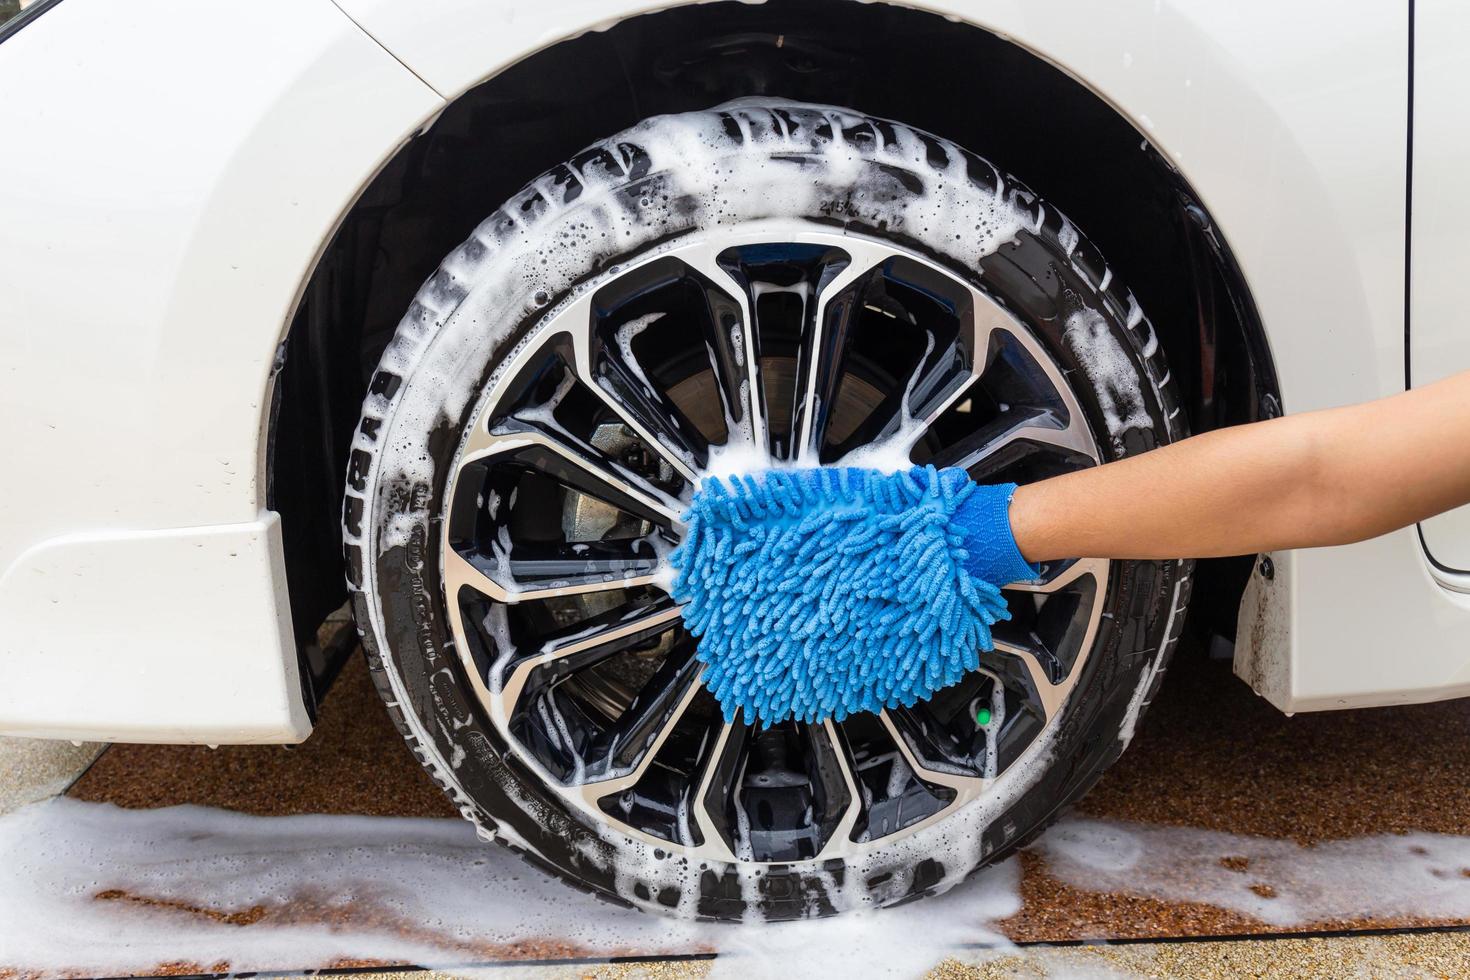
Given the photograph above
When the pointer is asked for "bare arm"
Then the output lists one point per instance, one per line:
(1320, 478)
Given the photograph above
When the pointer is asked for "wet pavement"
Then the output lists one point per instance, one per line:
(1224, 818)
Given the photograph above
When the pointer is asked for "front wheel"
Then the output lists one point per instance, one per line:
(766, 283)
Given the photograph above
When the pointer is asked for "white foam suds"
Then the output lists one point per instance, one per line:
(1135, 317)
(894, 453)
(900, 942)
(545, 413)
(625, 336)
(1135, 701)
(1279, 882)
(497, 625)
(1111, 372)
(304, 892)
(992, 729)
(1068, 236)
(500, 550)
(664, 576)
(371, 888)
(736, 457)
(1146, 679)
(888, 455)
(95, 889)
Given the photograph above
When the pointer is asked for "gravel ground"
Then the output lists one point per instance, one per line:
(1414, 955)
(354, 762)
(34, 769)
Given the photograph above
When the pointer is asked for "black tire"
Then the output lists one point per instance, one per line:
(508, 273)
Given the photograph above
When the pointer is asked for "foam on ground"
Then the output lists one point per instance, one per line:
(230, 891)
(1279, 882)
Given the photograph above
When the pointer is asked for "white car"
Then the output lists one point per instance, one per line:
(442, 309)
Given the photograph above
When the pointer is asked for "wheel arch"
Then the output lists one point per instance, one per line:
(1129, 197)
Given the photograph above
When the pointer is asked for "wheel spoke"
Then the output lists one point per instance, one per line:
(820, 358)
(982, 453)
(645, 726)
(1052, 696)
(835, 772)
(716, 785)
(1069, 574)
(1048, 694)
(501, 577)
(629, 400)
(942, 380)
(580, 466)
(942, 376)
(607, 636)
(965, 787)
(514, 573)
(733, 342)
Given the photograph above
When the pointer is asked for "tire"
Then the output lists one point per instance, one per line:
(664, 181)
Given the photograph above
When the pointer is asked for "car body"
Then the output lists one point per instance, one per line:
(176, 173)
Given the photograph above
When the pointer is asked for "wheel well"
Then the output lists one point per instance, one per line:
(985, 93)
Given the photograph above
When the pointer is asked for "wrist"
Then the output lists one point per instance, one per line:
(984, 521)
(1028, 531)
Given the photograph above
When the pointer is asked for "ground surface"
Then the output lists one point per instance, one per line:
(1224, 818)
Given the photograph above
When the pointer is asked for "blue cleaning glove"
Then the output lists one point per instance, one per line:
(818, 593)
(983, 521)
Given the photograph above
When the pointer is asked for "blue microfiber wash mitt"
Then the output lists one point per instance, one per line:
(819, 593)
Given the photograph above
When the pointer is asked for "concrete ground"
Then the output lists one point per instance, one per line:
(1213, 769)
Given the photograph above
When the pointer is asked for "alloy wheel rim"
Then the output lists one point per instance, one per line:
(774, 343)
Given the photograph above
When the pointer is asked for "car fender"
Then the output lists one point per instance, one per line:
(173, 170)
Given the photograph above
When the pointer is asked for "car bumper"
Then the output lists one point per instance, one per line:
(179, 635)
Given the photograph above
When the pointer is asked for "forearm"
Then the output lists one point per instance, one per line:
(1175, 501)
(1320, 478)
